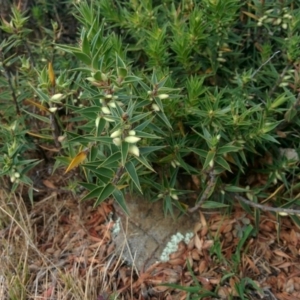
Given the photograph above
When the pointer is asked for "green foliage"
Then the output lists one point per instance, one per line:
(153, 91)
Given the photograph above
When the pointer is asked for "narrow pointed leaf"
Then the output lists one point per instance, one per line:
(119, 197)
(124, 152)
(93, 194)
(106, 192)
(130, 168)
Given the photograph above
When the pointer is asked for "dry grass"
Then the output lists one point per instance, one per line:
(60, 248)
(46, 257)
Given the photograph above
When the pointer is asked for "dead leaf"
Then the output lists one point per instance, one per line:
(78, 159)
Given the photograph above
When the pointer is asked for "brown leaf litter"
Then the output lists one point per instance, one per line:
(69, 246)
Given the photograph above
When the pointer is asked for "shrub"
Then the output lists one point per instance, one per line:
(207, 89)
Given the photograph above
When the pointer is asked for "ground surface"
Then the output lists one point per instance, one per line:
(64, 249)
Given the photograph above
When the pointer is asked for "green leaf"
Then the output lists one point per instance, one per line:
(150, 149)
(222, 162)
(106, 192)
(76, 52)
(200, 152)
(88, 186)
(93, 194)
(85, 45)
(213, 204)
(246, 234)
(210, 157)
(270, 138)
(296, 220)
(119, 62)
(100, 127)
(131, 79)
(124, 152)
(83, 57)
(235, 189)
(228, 148)
(104, 174)
(139, 117)
(122, 72)
(143, 125)
(281, 99)
(112, 161)
(144, 162)
(130, 168)
(119, 197)
(173, 177)
(39, 117)
(147, 135)
(163, 117)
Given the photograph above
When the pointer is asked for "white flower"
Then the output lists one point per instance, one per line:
(133, 149)
(174, 196)
(53, 109)
(56, 97)
(163, 96)
(116, 133)
(132, 132)
(172, 246)
(105, 110)
(117, 141)
(132, 139)
(108, 119)
(155, 107)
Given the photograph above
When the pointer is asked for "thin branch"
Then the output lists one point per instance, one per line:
(267, 208)
(206, 193)
(264, 64)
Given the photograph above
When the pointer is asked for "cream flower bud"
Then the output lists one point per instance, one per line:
(177, 163)
(105, 110)
(174, 196)
(109, 96)
(17, 175)
(283, 84)
(108, 119)
(53, 109)
(61, 138)
(117, 141)
(112, 104)
(133, 149)
(221, 59)
(132, 139)
(163, 96)
(283, 214)
(91, 79)
(250, 196)
(173, 164)
(132, 132)
(155, 107)
(116, 133)
(56, 97)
